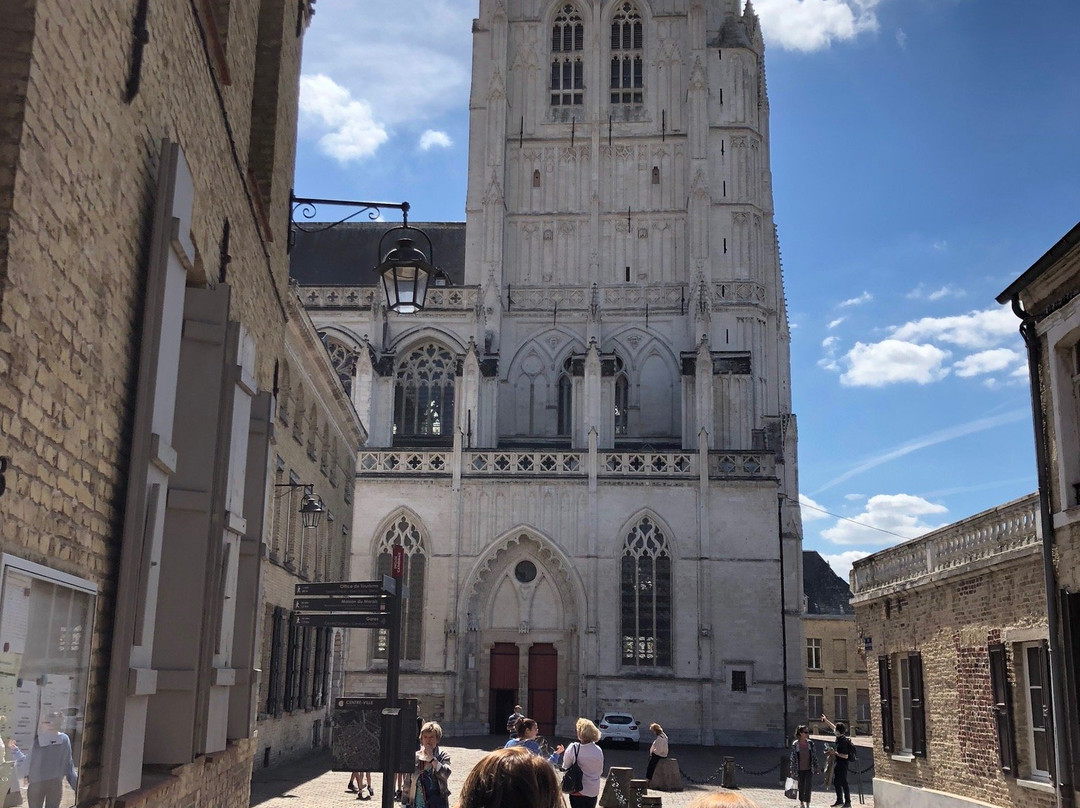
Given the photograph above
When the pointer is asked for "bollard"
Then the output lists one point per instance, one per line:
(637, 791)
(728, 780)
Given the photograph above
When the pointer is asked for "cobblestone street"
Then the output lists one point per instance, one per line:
(311, 783)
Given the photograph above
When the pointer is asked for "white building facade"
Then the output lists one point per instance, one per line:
(586, 444)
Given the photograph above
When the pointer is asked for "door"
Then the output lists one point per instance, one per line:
(543, 678)
(503, 688)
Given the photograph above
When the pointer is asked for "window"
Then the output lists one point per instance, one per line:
(627, 80)
(343, 359)
(646, 597)
(405, 533)
(862, 706)
(622, 403)
(905, 703)
(424, 396)
(1037, 701)
(815, 703)
(912, 716)
(567, 66)
(840, 704)
(565, 400)
(738, 681)
(999, 689)
(813, 654)
(839, 652)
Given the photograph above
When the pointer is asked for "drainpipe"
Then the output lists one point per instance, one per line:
(1062, 759)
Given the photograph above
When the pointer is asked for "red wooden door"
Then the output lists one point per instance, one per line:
(503, 688)
(543, 686)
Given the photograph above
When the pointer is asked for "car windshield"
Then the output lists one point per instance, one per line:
(618, 719)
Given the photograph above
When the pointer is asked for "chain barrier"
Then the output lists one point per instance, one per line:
(712, 778)
(761, 773)
(620, 798)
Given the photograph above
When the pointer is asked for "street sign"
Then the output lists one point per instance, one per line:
(344, 620)
(342, 588)
(398, 562)
(342, 603)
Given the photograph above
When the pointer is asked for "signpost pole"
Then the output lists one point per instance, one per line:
(393, 669)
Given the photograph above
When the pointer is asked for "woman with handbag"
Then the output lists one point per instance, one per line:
(589, 759)
(803, 761)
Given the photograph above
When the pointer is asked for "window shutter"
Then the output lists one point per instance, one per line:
(1048, 710)
(1070, 626)
(277, 654)
(292, 662)
(317, 678)
(304, 700)
(918, 706)
(999, 691)
(885, 689)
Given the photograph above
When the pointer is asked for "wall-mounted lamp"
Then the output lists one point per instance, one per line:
(311, 508)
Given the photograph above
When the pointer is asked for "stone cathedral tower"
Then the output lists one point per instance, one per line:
(586, 444)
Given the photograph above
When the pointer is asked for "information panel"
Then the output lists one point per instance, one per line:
(358, 723)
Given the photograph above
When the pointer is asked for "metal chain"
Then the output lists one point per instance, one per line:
(761, 773)
(620, 799)
(710, 779)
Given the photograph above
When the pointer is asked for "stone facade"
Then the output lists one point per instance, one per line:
(1045, 297)
(146, 158)
(586, 445)
(955, 629)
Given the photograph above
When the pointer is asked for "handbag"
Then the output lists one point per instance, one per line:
(571, 779)
(791, 788)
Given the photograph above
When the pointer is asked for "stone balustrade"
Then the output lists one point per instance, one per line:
(451, 298)
(562, 463)
(982, 537)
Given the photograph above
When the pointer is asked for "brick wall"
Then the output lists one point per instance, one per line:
(951, 621)
(77, 180)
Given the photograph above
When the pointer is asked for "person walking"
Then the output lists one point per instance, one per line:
(658, 750)
(843, 754)
(803, 760)
(49, 763)
(590, 758)
(511, 722)
(427, 786)
(511, 778)
(357, 778)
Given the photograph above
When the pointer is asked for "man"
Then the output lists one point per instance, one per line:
(513, 719)
(843, 754)
(49, 764)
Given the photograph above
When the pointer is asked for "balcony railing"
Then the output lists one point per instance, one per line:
(453, 298)
(983, 537)
(563, 464)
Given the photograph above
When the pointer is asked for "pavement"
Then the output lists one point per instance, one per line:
(311, 782)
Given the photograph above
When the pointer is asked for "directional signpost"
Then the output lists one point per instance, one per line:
(365, 604)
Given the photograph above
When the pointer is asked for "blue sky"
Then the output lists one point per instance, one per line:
(924, 154)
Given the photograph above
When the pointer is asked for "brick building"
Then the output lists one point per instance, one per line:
(956, 634)
(1047, 299)
(835, 665)
(146, 159)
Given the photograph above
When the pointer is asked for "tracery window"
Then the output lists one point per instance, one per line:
(646, 596)
(622, 400)
(424, 395)
(627, 80)
(567, 65)
(343, 358)
(405, 533)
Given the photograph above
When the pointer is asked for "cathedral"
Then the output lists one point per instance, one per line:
(584, 441)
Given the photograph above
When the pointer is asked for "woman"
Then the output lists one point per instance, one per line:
(426, 786)
(723, 799)
(525, 732)
(658, 750)
(511, 778)
(590, 758)
(804, 761)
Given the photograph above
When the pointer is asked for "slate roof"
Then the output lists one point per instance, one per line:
(825, 591)
(346, 255)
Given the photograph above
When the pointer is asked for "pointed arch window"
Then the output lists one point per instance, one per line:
(627, 51)
(646, 597)
(424, 396)
(405, 533)
(343, 358)
(567, 64)
(622, 400)
(565, 402)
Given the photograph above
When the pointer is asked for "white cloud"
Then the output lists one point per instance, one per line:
(920, 292)
(432, 138)
(810, 25)
(941, 245)
(854, 497)
(991, 361)
(811, 511)
(841, 562)
(834, 323)
(828, 361)
(865, 297)
(883, 516)
(893, 361)
(901, 38)
(975, 330)
(353, 132)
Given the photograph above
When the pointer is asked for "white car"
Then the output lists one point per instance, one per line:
(619, 728)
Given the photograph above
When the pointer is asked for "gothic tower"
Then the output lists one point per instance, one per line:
(587, 445)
